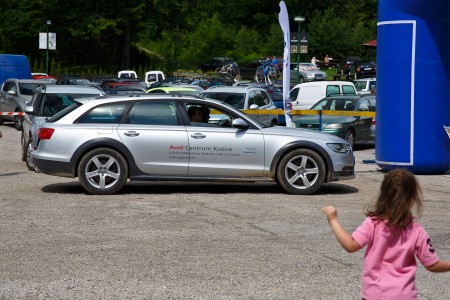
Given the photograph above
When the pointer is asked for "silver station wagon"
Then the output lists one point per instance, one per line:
(106, 142)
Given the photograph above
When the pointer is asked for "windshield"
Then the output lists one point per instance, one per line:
(28, 88)
(236, 100)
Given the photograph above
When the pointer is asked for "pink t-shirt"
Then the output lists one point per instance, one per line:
(389, 263)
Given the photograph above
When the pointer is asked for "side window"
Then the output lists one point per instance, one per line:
(259, 98)
(373, 105)
(294, 94)
(152, 113)
(208, 116)
(364, 105)
(110, 113)
(332, 89)
(5, 87)
(348, 90)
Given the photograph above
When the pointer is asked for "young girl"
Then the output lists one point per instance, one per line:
(393, 240)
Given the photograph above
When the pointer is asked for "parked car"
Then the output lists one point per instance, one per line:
(308, 72)
(305, 95)
(217, 62)
(175, 90)
(347, 64)
(127, 74)
(151, 77)
(353, 129)
(43, 107)
(73, 79)
(15, 95)
(245, 97)
(105, 142)
(365, 68)
(364, 86)
(126, 89)
(43, 77)
(117, 82)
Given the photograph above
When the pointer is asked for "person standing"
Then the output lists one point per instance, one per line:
(326, 61)
(393, 239)
(313, 61)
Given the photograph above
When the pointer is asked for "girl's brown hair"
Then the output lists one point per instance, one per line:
(399, 191)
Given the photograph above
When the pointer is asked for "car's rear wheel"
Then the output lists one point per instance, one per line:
(28, 150)
(301, 172)
(350, 137)
(103, 171)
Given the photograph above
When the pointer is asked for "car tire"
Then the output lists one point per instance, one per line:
(301, 172)
(28, 150)
(22, 145)
(301, 79)
(18, 123)
(1, 121)
(350, 137)
(103, 171)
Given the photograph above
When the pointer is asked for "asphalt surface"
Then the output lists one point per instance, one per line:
(175, 240)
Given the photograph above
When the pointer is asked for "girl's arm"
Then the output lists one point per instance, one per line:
(440, 266)
(344, 238)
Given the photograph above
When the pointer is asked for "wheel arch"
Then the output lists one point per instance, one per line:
(329, 169)
(103, 143)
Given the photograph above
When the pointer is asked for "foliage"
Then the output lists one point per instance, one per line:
(176, 34)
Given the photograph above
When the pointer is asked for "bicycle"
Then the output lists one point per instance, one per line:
(268, 72)
(230, 70)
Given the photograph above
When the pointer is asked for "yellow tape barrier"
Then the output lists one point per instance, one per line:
(306, 112)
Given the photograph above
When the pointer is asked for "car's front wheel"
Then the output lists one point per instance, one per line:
(103, 171)
(350, 137)
(18, 123)
(301, 172)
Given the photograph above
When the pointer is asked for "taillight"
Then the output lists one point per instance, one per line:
(373, 122)
(45, 133)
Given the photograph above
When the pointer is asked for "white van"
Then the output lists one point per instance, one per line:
(305, 95)
(127, 74)
(153, 76)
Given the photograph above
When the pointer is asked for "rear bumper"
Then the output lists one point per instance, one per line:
(55, 168)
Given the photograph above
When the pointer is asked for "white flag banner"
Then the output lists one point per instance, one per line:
(283, 18)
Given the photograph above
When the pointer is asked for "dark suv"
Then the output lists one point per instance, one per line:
(365, 68)
(347, 64)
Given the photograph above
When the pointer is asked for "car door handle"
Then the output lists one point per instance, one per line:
(198, 136)
(131, 133)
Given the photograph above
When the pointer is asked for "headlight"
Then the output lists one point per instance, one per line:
(341, 148)
(333, 126)
(309, 75)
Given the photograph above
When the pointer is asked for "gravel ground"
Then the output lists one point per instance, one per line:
(172, 240)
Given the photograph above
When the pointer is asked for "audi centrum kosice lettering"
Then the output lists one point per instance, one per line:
(111, 140)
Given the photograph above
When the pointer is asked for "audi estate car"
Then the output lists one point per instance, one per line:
(108, 142)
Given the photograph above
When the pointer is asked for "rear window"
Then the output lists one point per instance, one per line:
(237, 100)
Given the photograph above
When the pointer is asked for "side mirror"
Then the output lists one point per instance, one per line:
(12, 92)
(29, 110)
(239, 123)
(254, 106)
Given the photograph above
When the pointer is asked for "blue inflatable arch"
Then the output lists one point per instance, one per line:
(413, 91)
